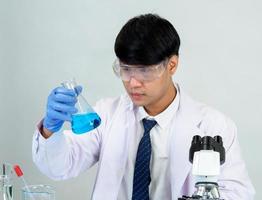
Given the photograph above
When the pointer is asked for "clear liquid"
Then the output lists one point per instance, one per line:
(6, 192)
(37, 196)
(82, 123)
(38, 192)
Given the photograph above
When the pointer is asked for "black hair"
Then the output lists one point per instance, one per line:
(146, 39)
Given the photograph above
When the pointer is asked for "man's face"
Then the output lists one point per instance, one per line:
(150, 93)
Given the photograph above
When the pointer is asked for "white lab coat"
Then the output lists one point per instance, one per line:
(66, 155)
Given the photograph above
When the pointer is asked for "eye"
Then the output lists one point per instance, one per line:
(143, 69)
(147, 70)
(125, 69)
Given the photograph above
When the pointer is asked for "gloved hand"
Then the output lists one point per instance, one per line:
(60, 106)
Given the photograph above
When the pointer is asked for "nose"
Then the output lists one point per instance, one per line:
(133, 82)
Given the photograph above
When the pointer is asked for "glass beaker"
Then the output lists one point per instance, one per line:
(86, 119)
(38, 192)
(6, 187)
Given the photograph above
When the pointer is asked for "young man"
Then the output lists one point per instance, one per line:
(142, 144)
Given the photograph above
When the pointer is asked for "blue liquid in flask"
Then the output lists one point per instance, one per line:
(82, 123)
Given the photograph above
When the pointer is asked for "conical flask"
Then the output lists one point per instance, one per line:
(86, 119)
(6, 187)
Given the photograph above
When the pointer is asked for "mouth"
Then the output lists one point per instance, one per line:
(136, 96)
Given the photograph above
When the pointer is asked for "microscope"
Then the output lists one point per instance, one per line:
(206, 154)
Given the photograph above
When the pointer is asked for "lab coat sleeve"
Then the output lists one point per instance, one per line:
(234, 182)
(65, 154)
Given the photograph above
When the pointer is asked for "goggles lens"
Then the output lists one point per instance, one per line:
(141, 73)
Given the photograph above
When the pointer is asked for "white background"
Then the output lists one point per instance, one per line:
(45, 42)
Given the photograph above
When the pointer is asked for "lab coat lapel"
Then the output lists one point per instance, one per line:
(114, 153)
(185, 127)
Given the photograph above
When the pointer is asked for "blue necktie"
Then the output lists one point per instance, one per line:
(142, 177)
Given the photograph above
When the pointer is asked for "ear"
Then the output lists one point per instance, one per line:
(172, 64)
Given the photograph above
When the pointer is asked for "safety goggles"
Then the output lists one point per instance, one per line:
(143, 73)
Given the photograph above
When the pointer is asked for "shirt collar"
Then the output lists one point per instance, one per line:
(163, 118)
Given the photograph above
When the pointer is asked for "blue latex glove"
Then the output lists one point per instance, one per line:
(60, 106)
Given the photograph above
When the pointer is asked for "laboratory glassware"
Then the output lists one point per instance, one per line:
(38, 192)
(86, 119)
(6, 187)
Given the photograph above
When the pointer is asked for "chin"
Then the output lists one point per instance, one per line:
(138, 103)
(137, 100)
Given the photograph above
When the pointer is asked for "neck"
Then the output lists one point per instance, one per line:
(162, 103)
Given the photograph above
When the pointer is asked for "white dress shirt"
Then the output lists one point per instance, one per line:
(160, 136)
